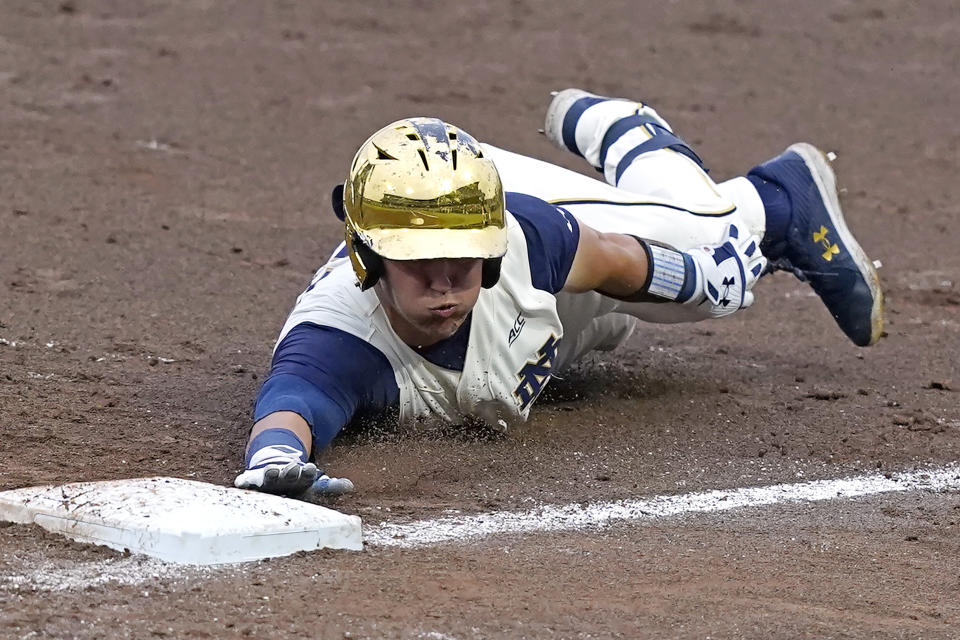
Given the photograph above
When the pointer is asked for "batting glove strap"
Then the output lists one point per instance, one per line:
(673, 274)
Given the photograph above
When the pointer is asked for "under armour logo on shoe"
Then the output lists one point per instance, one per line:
(830, 249)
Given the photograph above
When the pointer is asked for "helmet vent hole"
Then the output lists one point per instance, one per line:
(423, 157)
(412, 136)
(453, 135)
(383, 155)
(453, 158)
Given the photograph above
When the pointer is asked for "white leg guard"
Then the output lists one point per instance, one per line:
(673, 221)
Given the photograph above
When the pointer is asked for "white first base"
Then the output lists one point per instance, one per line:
(182, 521)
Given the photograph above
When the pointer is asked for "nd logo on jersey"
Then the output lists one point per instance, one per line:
(535, 374)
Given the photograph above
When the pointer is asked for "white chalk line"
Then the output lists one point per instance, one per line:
(51, 576)
(461, 529)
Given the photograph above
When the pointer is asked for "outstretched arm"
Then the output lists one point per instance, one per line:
(716, 278)
(611, 263)
(277, 456)
(321, 377)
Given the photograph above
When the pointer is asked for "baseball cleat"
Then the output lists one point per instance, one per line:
(290, 479)
(568, 107)
(564, 112)
(819, 247)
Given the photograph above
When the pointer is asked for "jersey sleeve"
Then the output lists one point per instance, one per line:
(552, 234)
(328, 377)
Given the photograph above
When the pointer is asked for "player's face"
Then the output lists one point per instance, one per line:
(427, 300)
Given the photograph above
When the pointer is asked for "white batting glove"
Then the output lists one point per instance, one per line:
(725, 273)
(282, 478)
(292, 479)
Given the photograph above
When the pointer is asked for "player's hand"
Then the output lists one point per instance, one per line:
(292, 479)
(726, 272)
(287, 478)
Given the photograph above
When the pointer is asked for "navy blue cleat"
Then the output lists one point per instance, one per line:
(819, 248)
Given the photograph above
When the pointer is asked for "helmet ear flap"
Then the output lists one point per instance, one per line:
(371, 262)
(491, 272)
(336, 199)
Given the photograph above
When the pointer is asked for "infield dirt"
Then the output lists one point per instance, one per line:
(164, 180)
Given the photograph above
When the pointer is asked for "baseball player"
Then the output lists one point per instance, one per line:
(470, 275)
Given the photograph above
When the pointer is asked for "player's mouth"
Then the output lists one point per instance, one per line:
(444, 310)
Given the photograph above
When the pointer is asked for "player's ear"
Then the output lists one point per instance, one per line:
(337, 200)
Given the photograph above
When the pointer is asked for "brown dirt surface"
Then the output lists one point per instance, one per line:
(164, 180)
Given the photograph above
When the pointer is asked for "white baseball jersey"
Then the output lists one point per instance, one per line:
(516, 340)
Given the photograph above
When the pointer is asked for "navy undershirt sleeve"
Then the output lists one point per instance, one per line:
(328, 377)
(552, 234)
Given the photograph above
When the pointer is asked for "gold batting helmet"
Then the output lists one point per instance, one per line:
(421, 189)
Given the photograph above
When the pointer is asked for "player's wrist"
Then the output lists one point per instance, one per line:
(671, 276)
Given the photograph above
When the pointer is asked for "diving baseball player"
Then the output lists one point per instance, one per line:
(470, 275)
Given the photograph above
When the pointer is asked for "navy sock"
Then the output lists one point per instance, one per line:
(776, 206)
(275, 446)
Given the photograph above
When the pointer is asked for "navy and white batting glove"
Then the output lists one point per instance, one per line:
(277, 462)
(293, 478)
(725, 273)
(288, 478)
(716, 280)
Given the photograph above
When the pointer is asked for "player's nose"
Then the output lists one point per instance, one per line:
(440, 275)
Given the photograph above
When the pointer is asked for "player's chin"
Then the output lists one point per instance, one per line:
(441, 328)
